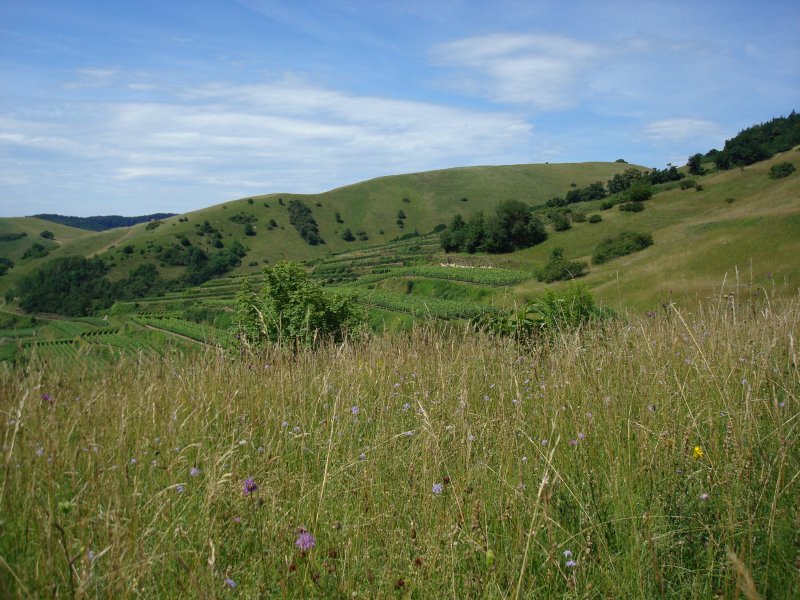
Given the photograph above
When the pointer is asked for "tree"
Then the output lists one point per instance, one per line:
(348, 236)
(695, 167)
(292, 310)
(401, 214)
(47, 234)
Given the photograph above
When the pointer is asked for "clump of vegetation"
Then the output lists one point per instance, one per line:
(595, 218)
(5, 265)
(559, 220)
(635, 206)
(292, 310)
(758, 142)
(249, 230)
(687, 184)
(781, 169)
(242, 218)
(348, 236)
(555, 311)
(36, 251)
(153, 225)
(513, 226)
(302, 219)
(623, 244)
(47, 234)
(12, 237)
(560, 269)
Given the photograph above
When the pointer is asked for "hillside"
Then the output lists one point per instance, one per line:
(370, 207)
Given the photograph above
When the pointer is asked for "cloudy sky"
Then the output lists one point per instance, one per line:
(122, 107)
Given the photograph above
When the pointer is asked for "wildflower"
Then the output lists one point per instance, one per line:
(581, 436)
(250, 486)
(571, 564)
(91, 555)
(260, 450)
(524, 459)
(704, 496)
(697, 453)
(296, 429)
(354, 410)
(470, 438)
(194, 472)
(406, 406)
(573, 442)
(39, 450)
(437, 488)
(545, 442)
(237, 519)
(744, 381)
(133, 461)
(362, 456)
(284, 425)
(230, 583)
(567, 553)
(408, 433)
(652, 408)
(305, 541)
(180, 488)
(47, 398)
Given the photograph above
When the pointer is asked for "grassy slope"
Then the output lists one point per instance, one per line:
(103, 465)
(700, 240)
(370, 206)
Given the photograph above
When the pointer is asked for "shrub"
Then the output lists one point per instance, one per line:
(249, 200)
(606, 204)
(625, 243)
(632, 206)
(595, 218)
(578, 217)
(36, 251)
(640, 191)
(302, 219)
(401, 214)
(249, 230)
(292, 310)
(152, 225)
(559, 221)
(560, 269)
(782, 169)
(685, 184)
(348, 236)
(243, 218)
(46, 234)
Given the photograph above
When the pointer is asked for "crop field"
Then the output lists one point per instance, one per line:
(649, 457)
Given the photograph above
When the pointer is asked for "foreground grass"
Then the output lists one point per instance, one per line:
(653, 458)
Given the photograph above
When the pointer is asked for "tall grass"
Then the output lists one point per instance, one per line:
(642, 459)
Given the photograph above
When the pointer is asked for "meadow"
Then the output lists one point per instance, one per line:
(645, 457)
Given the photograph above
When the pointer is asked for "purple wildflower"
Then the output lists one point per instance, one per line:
(90, 555)
(354, 410)
(250, 486)
(362, 456)
(194, 472)
(544, 442)
(305, 541)
(581, 436)
(284, 425)
(437, 488)
(571, 564)
(573, 442)
(230, 583)
(47, 398)
(567, 553)
(406, 406)
(180, 488)
(237, 519)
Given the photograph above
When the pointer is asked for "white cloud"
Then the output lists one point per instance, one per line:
(680, 129)
(237, 139)
(543, 70)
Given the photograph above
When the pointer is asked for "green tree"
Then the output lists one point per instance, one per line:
(695, 166)
(292, 310)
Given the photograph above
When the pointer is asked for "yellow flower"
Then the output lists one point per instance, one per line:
(697, 453)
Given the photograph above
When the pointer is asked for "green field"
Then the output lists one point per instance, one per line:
(648, 457)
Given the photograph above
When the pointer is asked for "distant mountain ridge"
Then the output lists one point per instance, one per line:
(102, 222)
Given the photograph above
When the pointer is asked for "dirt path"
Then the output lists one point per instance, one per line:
(180, 335)
(114, 243)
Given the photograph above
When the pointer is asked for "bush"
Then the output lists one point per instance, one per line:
(554, 311)
(640, 191)
(606, 204)
(632, 206)
(152, 225)
(302, 219)
(36, 251)
(578, 217)
(782, 169)
(559, 221)
(623, 244)
(46, 234)
(243, 218)
(686, 184)
(560, 269)
(249, 230)
(595, 218)
(292, 310)
(348, 236)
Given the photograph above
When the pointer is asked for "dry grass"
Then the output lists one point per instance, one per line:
(580, 450)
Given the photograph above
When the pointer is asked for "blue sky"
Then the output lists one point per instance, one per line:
(138, 107)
